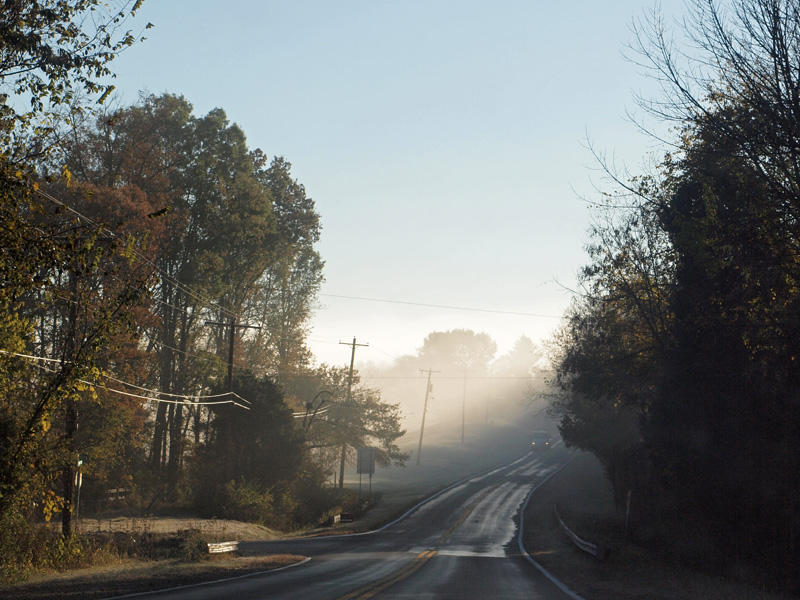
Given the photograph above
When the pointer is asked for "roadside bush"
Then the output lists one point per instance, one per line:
(193, 546)
(314, 501)
(347, 501)
(286, 504)
(21, 547)
(244, 502)
(28, 547)
(26, 544)
(189, 544)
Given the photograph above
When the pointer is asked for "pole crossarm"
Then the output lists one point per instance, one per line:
(238, 325)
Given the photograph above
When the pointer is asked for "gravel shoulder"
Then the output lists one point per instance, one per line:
(630, 572)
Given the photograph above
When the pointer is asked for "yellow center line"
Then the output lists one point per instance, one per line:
(369, 590)
(465, 514)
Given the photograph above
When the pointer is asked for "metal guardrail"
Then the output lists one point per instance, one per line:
(220, 547)
(595, 550)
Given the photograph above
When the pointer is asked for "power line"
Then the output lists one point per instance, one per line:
(187, 396)
(389, 354)
(417, 377)
(188, 290)
(303, 414)
(159, 301)
(181, 286)
(443, 306)
(123, 393)
(183, 397)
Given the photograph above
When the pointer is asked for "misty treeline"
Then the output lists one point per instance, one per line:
(470, 382)
(140, 248)
(681, 355)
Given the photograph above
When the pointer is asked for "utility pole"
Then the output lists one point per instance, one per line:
(424, 410)
(231, 340)
(228, 428)
(349, 402)
(463, 406)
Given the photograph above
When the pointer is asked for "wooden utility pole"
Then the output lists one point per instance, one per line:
(424, 410)
(463, 406)
(228, 428)
(231, 341)
(349, 402)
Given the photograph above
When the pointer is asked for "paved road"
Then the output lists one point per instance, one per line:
(460, 544)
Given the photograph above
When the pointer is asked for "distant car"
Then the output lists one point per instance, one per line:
(541, 440)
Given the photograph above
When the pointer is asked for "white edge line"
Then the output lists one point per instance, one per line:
(557, 582)
(433, 497)
(409, 511)
(302, 562)
(211, 582)
(389, 524)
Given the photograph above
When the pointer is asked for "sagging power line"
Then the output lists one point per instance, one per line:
(443, 306)
(203, 400)
(188, 290)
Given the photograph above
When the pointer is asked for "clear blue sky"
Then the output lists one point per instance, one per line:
(443, 142)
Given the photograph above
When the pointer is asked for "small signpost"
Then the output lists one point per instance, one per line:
(366, 464)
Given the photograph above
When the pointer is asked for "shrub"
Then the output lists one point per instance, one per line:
(245, 502)
(194, 546)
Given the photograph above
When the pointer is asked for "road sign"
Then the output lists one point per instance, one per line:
(366, 461)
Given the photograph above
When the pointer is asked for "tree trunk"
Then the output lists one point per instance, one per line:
(159, 433)
(341, 466)
(71, 414)
(175, 451)
(68, 474)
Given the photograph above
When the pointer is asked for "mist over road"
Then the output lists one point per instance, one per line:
(460, 544)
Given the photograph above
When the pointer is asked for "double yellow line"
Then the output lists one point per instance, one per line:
(376, 587)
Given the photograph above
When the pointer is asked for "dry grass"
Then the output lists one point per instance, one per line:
(128, 576)
(630, 572)
(212, 529)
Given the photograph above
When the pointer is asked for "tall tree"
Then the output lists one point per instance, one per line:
(458, 350)
(288, 287)
(688, 357)
(203, 182)
(49, 52)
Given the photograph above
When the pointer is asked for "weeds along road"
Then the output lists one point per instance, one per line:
(460, 544)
